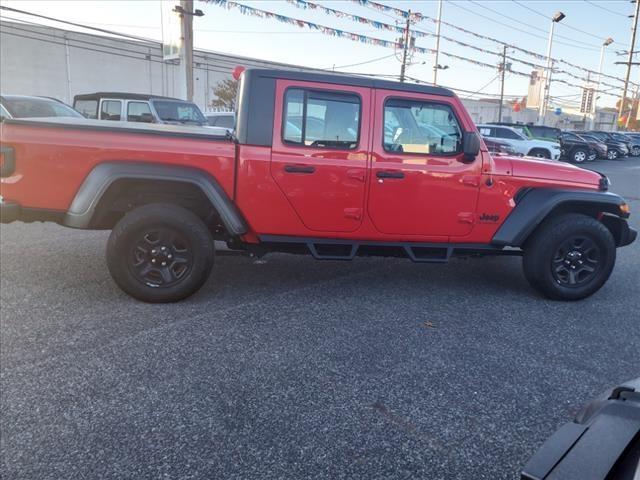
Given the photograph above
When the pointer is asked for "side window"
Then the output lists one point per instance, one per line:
(321, 119)
(88, 108)
(111, 110)
(485, 131)
(506, 133)
(420, 127)
(139, 112)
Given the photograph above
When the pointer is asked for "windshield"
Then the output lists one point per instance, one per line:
(181, 112)
(31, 107)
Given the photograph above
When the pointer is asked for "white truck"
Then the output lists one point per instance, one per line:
(520, 143)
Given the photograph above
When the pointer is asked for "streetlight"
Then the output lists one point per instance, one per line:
(542, 110)
(592, 118)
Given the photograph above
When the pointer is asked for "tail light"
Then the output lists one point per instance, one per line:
(7, 160)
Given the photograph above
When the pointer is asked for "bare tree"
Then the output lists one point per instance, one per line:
(225, 92)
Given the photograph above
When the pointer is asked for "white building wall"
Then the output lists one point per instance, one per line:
(39, 60)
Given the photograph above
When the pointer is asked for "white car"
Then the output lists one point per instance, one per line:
(520, 143)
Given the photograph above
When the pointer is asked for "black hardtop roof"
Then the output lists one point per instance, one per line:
(122, 95)
(351, 80)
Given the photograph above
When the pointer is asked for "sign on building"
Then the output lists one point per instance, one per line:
(171, 33)
(586, 103)
(535, 89)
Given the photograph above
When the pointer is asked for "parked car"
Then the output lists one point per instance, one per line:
(576, 149)
(538, 132)
(598, 146)
(615, 148)
(633, 143)
(498, 147)
(25, 106)
(221, 119)
(520, 143)
(368, 184)
(544, 132)
(132, 107)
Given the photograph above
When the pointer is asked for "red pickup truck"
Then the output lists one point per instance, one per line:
(329, 165)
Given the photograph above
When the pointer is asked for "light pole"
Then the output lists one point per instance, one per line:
(592, 119)
(435, 62)
(542, 109)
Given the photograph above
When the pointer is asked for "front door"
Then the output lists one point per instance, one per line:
(319, 154)
(420, 182)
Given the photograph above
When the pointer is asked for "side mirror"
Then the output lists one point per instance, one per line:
(470, 146)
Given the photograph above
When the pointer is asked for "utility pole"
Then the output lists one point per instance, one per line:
(503, 67)
(634, 100)
(405, 47)
(629, 60)
(185, 11)
(435, 65)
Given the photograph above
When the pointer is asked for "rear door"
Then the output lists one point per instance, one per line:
(319, 154)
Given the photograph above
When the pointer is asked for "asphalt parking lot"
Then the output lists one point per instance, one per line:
(292, 368)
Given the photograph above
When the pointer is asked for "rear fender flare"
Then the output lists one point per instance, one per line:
(83, 207)
(537, 204)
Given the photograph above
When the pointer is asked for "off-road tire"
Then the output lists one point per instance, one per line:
(539, 153)
(178, 270)
(545, 265)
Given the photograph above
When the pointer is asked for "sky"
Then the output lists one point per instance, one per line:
(524, 23)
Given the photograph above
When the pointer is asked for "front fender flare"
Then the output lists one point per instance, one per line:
(98, 181)
(537, 203)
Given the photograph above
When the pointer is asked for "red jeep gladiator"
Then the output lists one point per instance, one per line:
(330, 165)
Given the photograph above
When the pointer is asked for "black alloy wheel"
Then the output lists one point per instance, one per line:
(160, 257)
(576, 261)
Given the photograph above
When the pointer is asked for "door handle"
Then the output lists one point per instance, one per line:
(299, 169)
(390, 174)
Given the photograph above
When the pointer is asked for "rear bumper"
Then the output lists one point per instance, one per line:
(9, 211)
(12, 211)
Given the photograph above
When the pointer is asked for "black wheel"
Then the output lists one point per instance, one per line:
(569, 257)
(539, 153)
(635, 151)
(160, 253)
(579, 155)
(592, 157)
(612, 154)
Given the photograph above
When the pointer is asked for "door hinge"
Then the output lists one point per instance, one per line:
(354, 213)
(466, 217)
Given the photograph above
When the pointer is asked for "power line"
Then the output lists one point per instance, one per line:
(539, 56)
(605, 9)
(519, 29)
(367, 61)
(103, 30)
(484, 86)
(565, 24)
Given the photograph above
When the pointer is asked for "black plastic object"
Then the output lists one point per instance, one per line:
(602, 443)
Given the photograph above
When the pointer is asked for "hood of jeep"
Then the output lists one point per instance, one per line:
(528, 167)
